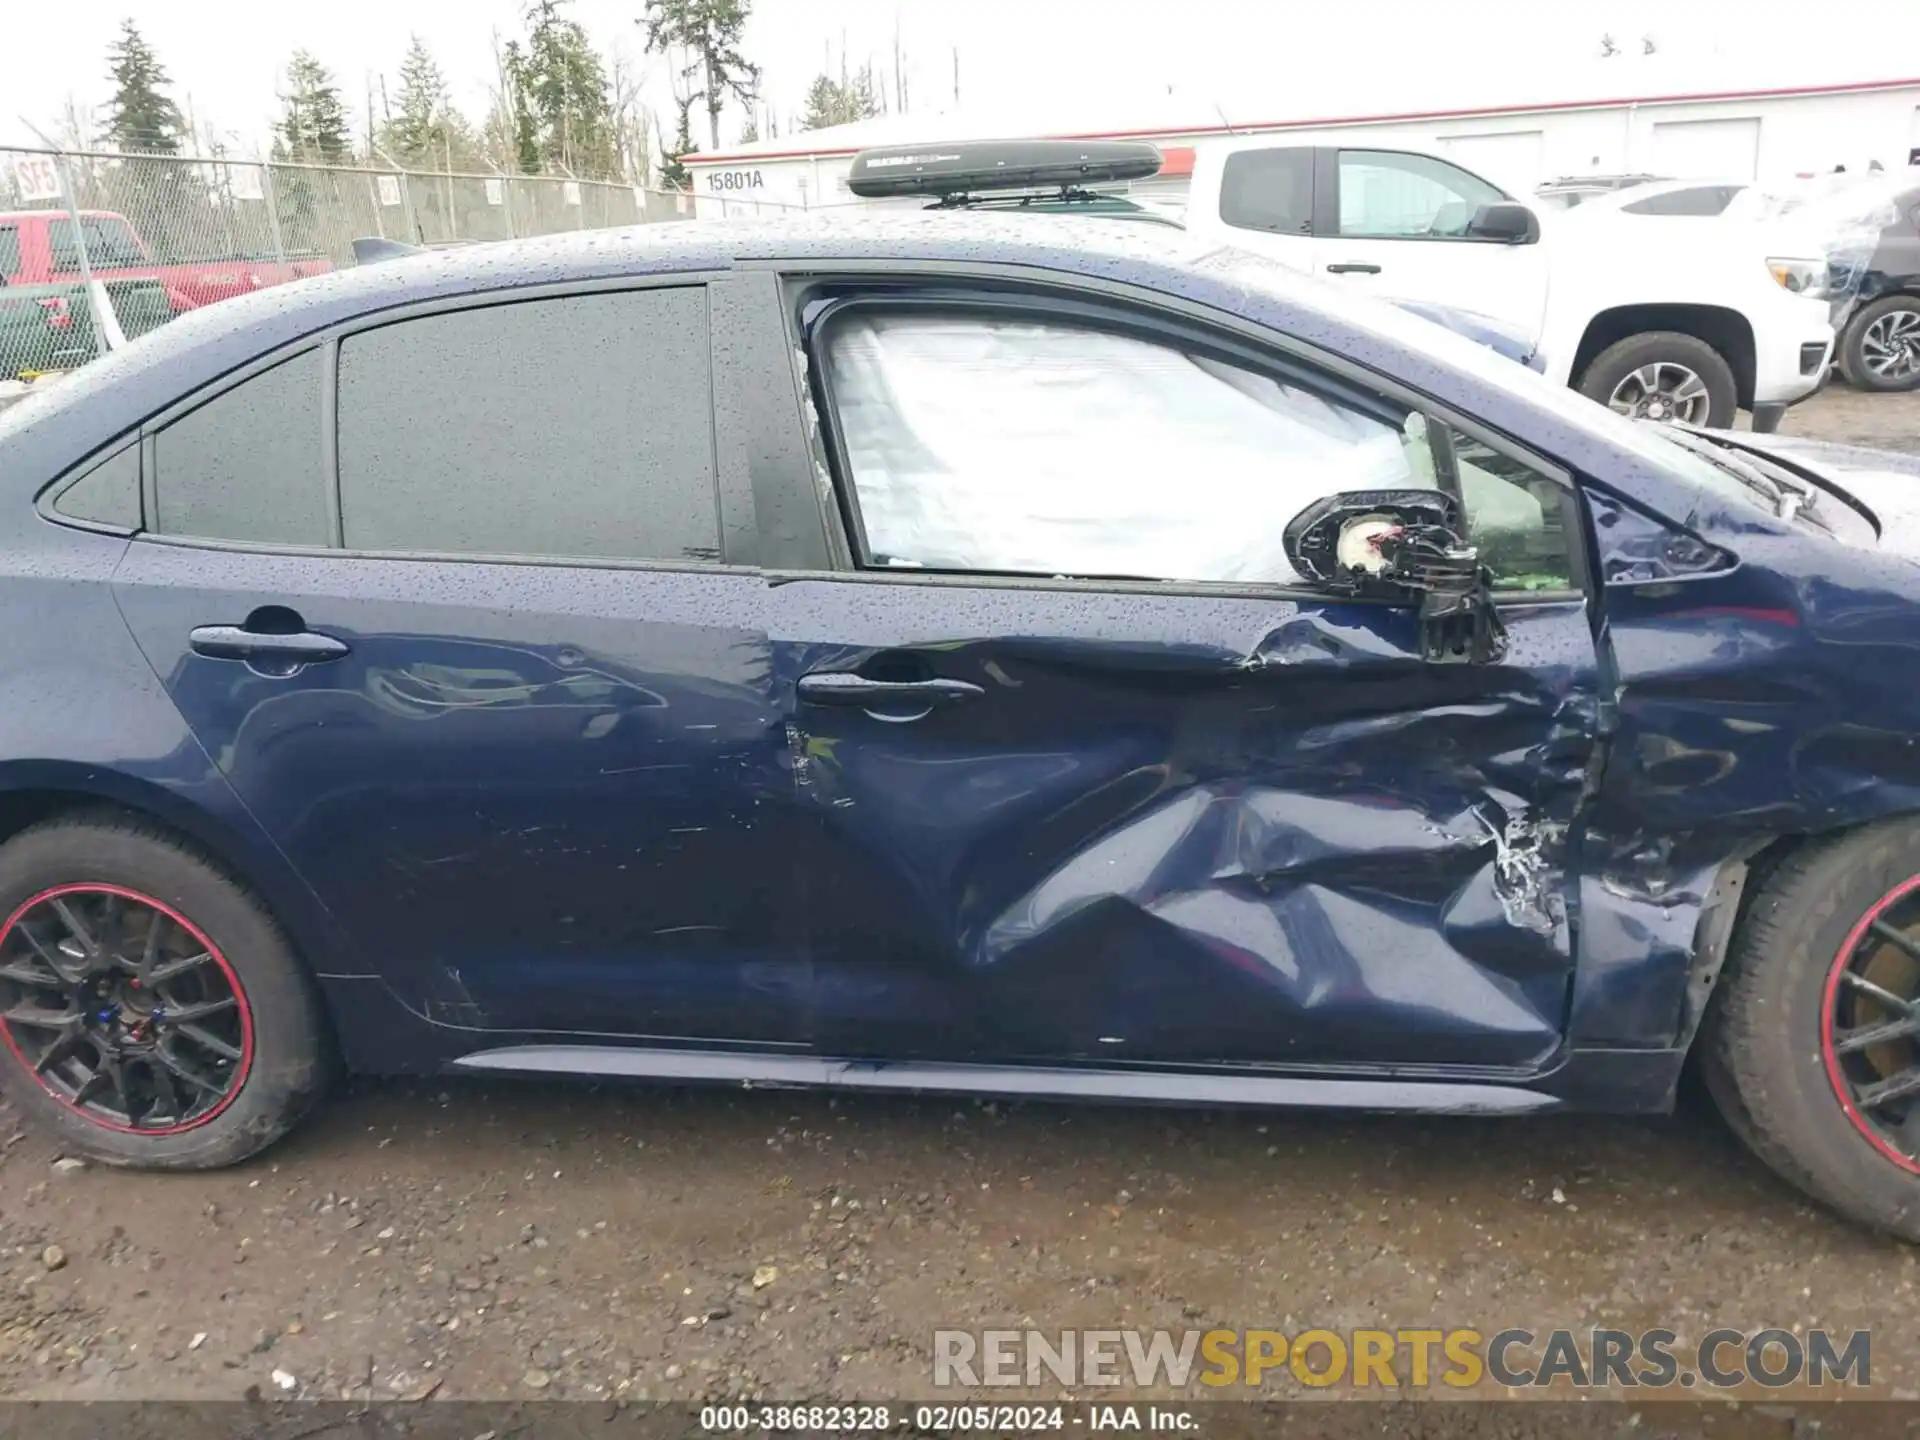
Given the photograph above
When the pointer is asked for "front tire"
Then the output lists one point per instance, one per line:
(1813, 1037)
(1880, 348)
(152, 1013)
(1663, 375)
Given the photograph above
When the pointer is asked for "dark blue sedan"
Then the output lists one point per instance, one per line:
(1053, 659)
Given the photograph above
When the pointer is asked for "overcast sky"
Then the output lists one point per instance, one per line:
(1252, 58)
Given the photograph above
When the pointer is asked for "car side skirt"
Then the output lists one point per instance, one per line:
(1020, 1081)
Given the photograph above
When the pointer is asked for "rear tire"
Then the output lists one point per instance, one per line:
(262, 1058)
(1608, 378)
(1899, 317)
(1775, 1047)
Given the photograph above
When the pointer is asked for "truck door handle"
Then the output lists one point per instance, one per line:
(1353, 267)
(236, 642)
(839, 687)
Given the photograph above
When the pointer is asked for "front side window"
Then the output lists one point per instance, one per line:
(995, 443)
(573, 428)
(1385, 194)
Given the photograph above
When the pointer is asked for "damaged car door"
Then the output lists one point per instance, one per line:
(1099, 774)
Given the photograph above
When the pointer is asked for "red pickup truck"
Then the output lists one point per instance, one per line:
(36, 248)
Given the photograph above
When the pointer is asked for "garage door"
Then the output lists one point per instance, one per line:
(1707, 149)
(1512, 159)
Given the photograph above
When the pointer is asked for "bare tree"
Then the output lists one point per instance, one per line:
(632, 124)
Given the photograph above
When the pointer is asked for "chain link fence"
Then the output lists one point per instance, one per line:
(166, 234)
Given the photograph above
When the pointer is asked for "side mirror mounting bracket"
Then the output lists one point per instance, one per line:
(1403, 547)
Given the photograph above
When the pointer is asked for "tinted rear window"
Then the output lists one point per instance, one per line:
(1268, 190)
(1699, 200)
(247, 465)
(576, 428)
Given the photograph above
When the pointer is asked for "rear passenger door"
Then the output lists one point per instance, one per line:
(501, 692)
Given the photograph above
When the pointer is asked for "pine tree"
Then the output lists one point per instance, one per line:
(840, 102)
(673, 174)
(515, 129)
(313, 123)
(566, 88)
(420, 129)
(710, 30)
(140, 117)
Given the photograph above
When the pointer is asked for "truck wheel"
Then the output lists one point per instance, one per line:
(153, 1014)
(1812, 1044)
(1663, 375)
(1880, 349)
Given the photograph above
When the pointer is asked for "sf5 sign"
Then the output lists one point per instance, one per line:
(36, 177)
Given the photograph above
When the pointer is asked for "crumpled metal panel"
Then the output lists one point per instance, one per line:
(1760, 704)
(1307, 848)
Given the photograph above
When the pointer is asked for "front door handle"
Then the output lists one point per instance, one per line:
(1353, 267)
(235, 642)
(840, 687)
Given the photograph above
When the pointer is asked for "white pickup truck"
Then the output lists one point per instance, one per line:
(1653, 322)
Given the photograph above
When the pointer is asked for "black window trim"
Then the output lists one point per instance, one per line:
(1327, 198)
(1128, 309)
(329, 340)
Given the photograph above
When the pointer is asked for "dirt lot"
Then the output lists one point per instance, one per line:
(509, 1240)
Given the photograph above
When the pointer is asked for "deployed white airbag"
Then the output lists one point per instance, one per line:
(1001, 445)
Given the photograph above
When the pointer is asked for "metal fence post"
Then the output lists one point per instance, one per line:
(106, 325)
(273, 214)
(406, 195)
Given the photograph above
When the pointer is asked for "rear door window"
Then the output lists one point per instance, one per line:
(110, 242)
(1269, 190)
(571, 428)
(1695, 200)
(249, 464)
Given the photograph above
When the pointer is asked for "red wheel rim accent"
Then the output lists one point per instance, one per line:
(242, 1067)
(1829, 1054)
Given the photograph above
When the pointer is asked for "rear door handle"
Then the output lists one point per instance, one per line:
(235, 642)
(1353, 267)
(839, 687)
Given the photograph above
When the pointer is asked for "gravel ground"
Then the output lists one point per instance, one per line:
(502, 1240)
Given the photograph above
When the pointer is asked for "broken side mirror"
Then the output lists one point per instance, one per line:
(1402, 547)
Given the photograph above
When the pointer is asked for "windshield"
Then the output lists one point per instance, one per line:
(1259, 274)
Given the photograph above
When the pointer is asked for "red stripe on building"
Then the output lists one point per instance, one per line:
(1863, 87)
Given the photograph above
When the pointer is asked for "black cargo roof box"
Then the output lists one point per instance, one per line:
(979, 165)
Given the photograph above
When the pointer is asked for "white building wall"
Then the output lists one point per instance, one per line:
(1784, 136)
